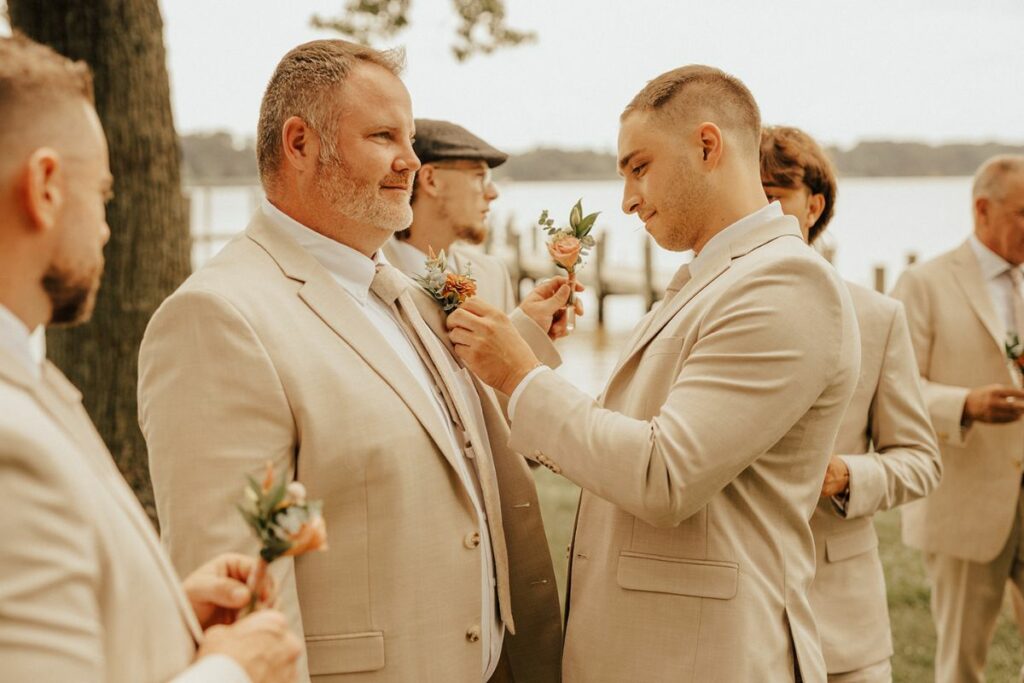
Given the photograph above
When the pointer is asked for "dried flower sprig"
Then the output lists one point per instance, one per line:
(1014, 348)
(284, 521)
(448, 289)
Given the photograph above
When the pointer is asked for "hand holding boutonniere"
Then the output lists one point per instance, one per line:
(1015, 358)
(286, 524)
(567, 246)
(447, 288)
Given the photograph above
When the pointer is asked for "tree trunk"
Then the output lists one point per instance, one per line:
(148, 253)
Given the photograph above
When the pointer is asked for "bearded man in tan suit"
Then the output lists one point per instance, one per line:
(886, 449)
(86, 592)
(702, 461)
(295, 345)
(962, 307)
(451, 198)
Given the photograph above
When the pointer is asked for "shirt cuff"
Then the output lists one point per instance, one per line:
(518, 391)
(213, 669)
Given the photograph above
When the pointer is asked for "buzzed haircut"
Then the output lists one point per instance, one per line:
(304, 84)
(990, 177)
(720, 97)
(791, 158)
(33, 79)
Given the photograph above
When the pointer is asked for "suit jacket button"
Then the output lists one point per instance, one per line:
(473, 634)
(472, 540)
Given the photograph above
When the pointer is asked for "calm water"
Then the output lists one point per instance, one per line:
(878, 221)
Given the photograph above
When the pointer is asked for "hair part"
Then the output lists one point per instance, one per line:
(35, 79)
(705, 92)
(989, 180)
(791, 158)
(305, 84)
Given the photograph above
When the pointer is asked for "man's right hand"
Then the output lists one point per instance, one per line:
(261, 644)
(995, 403)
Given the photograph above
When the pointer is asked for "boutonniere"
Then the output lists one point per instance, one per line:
(1015, 357)
(448, 289)
(286, 524)
(567, 246)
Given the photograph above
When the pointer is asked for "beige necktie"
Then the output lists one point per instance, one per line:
(1018, 300)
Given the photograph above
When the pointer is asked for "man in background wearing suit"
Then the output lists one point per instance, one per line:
(702, 461)
(964, 308)
(451, 197)
(86, 592)
(296, 345)
(887, 454)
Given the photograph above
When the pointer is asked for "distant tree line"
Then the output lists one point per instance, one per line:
(220, 157)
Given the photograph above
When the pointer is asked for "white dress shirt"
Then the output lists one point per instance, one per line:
(995, 271)
(720, 241)
(354, 272)
(15, 338)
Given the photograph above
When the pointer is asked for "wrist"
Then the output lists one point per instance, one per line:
(516, 377)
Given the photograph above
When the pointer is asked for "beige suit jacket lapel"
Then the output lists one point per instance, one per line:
(708, 272)
(968, 275)
(336, 309)
(62, 401)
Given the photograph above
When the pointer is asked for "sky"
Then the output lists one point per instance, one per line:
(923, 70)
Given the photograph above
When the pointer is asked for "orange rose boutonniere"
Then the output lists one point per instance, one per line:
(447, 288)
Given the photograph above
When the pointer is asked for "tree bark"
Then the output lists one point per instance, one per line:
(148, 255)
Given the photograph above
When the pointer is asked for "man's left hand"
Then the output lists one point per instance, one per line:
(217, 590)
(487, 342)
(837, 477)
(545, 305)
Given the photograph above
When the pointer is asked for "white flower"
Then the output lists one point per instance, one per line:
(296, 492)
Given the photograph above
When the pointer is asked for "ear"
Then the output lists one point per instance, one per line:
(981, 208)
(428, 181)
(815, 207)
(42, 188)
(709, 137)
(300, 143)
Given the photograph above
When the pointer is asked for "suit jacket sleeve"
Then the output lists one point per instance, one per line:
(945, 402)
(905, 463)
(536, 338)
(50, 619)
(212, 409)
(752, 365)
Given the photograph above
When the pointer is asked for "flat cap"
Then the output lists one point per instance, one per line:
(444, 140)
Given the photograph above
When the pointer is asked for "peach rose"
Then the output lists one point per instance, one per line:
(565, 251)
(311, 536)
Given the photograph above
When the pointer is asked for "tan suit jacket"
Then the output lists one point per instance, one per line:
(261, 356)
(493, 283)
(887, 441)
(958, 340)
(701, 465)
(86, 592)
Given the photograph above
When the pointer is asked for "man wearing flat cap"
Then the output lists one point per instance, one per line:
(452, 194)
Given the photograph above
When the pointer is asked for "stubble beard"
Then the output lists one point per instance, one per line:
(467, 231)
(362, 201)
(72, 297)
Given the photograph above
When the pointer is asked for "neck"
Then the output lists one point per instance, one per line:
(364, 239)
(32, 308)
(430, 231)
(737, 205)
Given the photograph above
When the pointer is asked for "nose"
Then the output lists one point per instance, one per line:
(406, 160)
(105, 234)
(491, 191)
(630, 200)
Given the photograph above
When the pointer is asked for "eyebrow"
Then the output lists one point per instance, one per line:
(624, 161)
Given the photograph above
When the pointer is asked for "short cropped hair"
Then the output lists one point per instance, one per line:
(988, 180)
(304, 84)
(705, 89)
(791, 158)
(34, 78)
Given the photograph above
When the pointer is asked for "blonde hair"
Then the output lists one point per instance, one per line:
(34, 79)
(304, 84)
(988, 181)
(707, 90)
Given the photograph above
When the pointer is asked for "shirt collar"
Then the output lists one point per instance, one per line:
(351, 269)
(992, 264)
(28, 347)
(408, 258)
(734, 232)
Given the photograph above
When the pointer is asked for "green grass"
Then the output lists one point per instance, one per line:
(913, 633)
